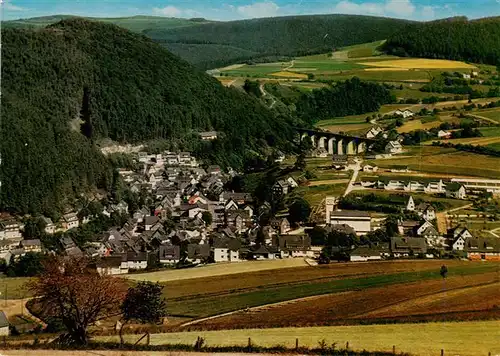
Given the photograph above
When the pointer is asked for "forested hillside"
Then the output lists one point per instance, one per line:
(125, 87)
(475, 41)
(280, 36)
(352, 97)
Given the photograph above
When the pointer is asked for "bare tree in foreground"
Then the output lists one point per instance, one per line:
(77, 296)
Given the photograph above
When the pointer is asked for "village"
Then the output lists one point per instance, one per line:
(195, 221)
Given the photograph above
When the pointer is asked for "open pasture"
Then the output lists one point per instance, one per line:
(244, 282)
(420, 63)
(410, 301)
(203, 304)
(464, 339)
(459, 163)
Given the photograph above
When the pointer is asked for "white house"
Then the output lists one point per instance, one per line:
(373, 132)
(426, 211)
(444, 134)
(394, 147)
(360, 221)
(414, 187)
(410, 205)
(405, 113)
(70, 221)
(137, 260)
(11, 229)
(459, 238)
(208, 136)
(226, 250)
(466, 76)
(369, 168)
(456, 191)
(435, 187)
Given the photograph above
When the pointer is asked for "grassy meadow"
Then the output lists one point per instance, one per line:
(464, 339)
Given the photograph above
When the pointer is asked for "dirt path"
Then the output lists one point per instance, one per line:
(483, 118)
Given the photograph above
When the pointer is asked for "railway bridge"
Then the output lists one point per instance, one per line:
(335, 143)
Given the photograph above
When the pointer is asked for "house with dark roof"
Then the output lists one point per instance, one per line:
(282, 225)
(483, 249)
(198, 253)
(367, 253)
(137, 260)
(226, 250)
(34, 245)
(458, 238)
(112, 265)
(263, 252)
(293, 245)
(169, 254)
(407, 246)
(426, 211)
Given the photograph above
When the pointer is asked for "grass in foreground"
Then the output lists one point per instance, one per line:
(464, 339)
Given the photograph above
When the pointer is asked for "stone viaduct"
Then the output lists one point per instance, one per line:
(335, 143)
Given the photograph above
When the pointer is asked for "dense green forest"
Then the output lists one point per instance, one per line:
(207, 44)
(352, 97)
(475, 41)
(79, 70)
(279, 36)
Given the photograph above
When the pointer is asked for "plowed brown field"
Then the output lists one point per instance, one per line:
(234, 283)
(457, 298)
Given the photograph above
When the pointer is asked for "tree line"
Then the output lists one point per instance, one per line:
(476, 41)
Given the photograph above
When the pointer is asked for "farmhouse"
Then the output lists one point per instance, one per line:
(69, 221)
(456, 191)
(393, 147)
(169, 254)
(293, 245)
(426, 211)
(112, 265)
(360, 221)
(208, 135)
(407, 246)
(459, 236)
(405, 113)
(365, 253)
(444, 134)
(373, 132)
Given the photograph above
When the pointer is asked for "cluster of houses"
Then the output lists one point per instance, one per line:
(451, 189)
(206, 222)
(417, 237)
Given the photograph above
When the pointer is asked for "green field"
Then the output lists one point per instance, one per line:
(314, 195)
(203, 306)
(493, 114)
(451, 203)
(13, 288)
(464, 339)
(446, 161)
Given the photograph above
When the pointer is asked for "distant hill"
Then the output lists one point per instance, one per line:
(122, 86)
(133, 23)
(476, 41)
(209, 44)
(278, 36)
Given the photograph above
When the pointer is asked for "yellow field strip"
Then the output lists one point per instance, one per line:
(464, 339)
